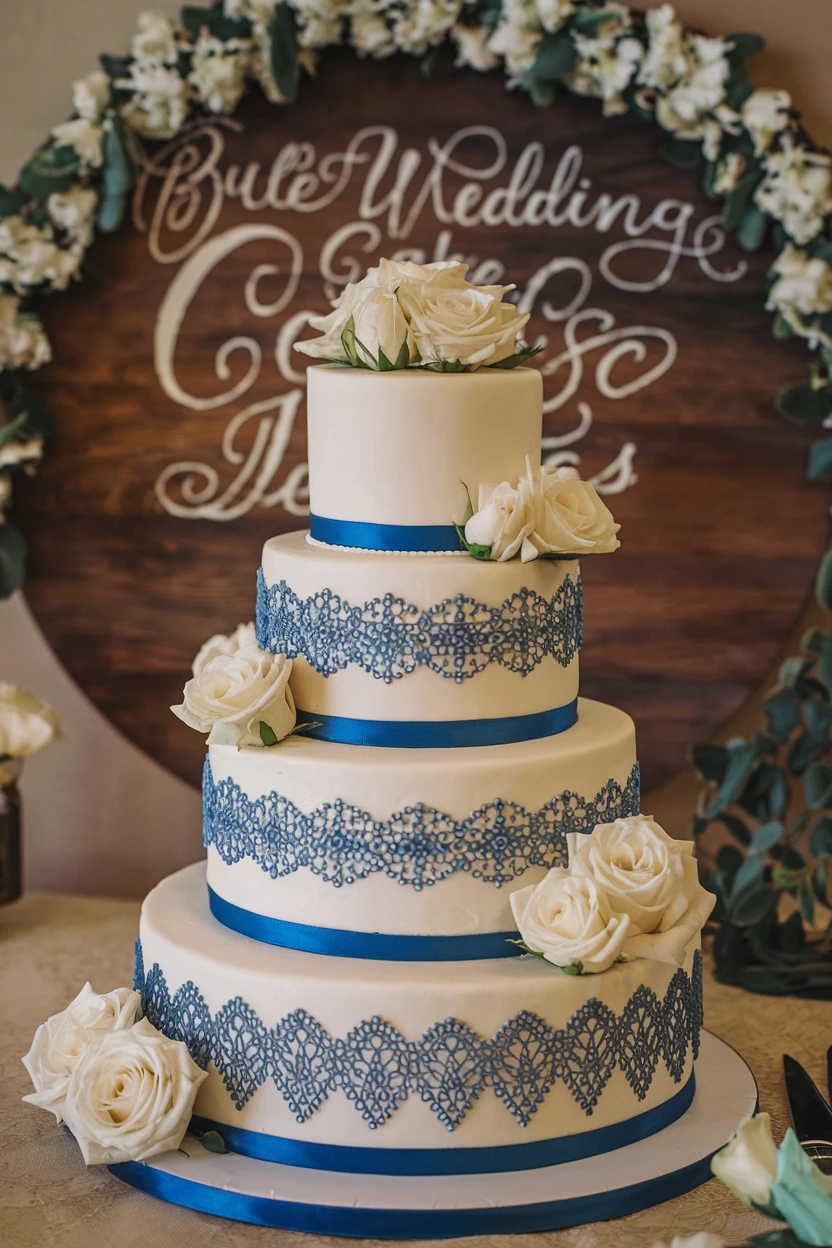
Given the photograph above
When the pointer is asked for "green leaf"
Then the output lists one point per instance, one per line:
(349, 345)
(403, 358)
(711, 761)
(519, 357)
(115, 66)
(817, 785)
(36, 417)
(752, 229)
(52, 169)
(792, 935)
(542, 94)
(781, 329)
(736, 827)
(283, 50)
(587, 21)
(729, 860)
(267, 735)
(806, 900)
(783, 711)
(117, 177)
(521, 944)
(752, 906)
(556, 58)
(429, 62)
(574, 968)
(11, 201)
(195, 18)
(686, 153)
(745, 44)
(213, 1142)
(11, 429)
(767, 835)
(738, 88)
(741, 759)
(750, 875)
(820, 460)
(823, 582)
(820, 839)
(822, 880)
(738, 201)
(474, 549)
(384, 365)
(12, 559)
(804, 404)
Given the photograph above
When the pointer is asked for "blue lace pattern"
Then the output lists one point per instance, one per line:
(417, 846)
(377, 1068)
(389, 637)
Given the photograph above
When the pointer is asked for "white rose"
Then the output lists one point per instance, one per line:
(86, 137)
(91, 95)
(243, 635)
(649, 878)
(465, 324)
(331, 326)
(380, 325)
(155, 39)
(504, 520)
(62, 1041)
(234, 693)
(74, 212)
(747, 1165)
(131, 1096)
(26, 724)
(765, 113)
(472, 47)
(566, 918)
(570, 516)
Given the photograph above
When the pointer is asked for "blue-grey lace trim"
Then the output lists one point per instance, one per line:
(416, 846)
(389, 637)
(377, 1068)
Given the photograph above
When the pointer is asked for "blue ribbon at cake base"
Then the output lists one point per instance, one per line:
(340, 943)
(346, 1159)
(361, 535)
(444, 734)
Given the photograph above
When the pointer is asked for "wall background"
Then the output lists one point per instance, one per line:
(100, 814)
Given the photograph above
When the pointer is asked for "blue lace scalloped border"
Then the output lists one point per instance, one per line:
(417, 846)
(389, 638)
(377, 1068)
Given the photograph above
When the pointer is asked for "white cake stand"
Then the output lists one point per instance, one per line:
(647, 1173)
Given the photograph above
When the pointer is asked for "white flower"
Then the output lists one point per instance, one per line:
(517, 44)
(570, 516)
(649, 878)
(466, 324)
(370, 33)
(728, 173)
(20, 454)
(765, 113)
(131, 1096)
(380, 325)
(685, 107)
(664, 61)
(553, 13)
(91, 95)
(234, 693)
(26, 724)
(155, 38)
(62, 1041)
(74, 212)
(243, 635)
(34, 256)
(504, 520)
(797, 189)
(159, 105)
(747, 1165)
(218, 73)
(23, 341)
(86, 137)
(566, 918)
(803, 289)
(472, 47)
(606, 65)
(423, 23)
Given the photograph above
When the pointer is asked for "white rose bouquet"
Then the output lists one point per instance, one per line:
(26, 727)
(125, 1091)
(548, 512)
(403, 314)
(630, 891)
(239, 694)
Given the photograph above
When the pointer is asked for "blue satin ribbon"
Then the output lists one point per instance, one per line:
(371, 1223)
(426, 1161)
(445, 734)
(339, 943)
(436, 538)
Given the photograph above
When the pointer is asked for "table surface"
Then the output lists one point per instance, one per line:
(50, 945)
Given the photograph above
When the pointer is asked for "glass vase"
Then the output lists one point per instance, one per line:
(11, 884)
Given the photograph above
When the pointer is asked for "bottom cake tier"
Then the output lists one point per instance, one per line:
(415, 1068)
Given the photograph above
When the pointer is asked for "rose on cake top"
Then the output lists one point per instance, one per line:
(407, 315)
(239, 694)
(629, 891)
(548, 512)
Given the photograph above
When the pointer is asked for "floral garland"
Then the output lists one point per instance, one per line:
(776, 186)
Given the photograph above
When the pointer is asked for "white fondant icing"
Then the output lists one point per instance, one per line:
(178, 932)
(383, 782)
(360, 577)
(399, 447)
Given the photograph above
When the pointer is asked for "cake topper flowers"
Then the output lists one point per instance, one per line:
(630, 891)
(407, 315)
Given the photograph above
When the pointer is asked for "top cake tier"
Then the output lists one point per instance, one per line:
(392, 454)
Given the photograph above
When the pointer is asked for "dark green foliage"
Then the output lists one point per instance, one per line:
(12, 559)
(283, 50)
(52, 169)
(773, 795)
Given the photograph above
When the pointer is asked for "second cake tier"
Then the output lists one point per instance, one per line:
(408, 854)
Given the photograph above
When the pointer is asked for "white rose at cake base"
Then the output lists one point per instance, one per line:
(583, 346)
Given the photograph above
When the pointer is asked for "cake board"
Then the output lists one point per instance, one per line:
(654, 1170)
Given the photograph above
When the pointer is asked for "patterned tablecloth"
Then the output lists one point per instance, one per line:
(50, 945)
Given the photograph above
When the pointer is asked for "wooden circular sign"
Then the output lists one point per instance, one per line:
(180, 401)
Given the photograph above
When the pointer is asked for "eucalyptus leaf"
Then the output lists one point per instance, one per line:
(741, 759)
(729, 860)
(750, 875)
(781, 329)
(283, 50)
(745, 44)
(817, 785)
(52, 169)
(556, 58)
(737, 827)
(806, 900)
(820, 838)
(766, 836)
(752, 905)
(213, 1142)
(117, 176)
(738, 88)
(711, 761)
(819, 467)
(36, 418)
(821, 881)
(739, 199)
(12, 559)
(783, 711)
(752, 229)
(804, 403)
(11, 201)
(823, 582)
